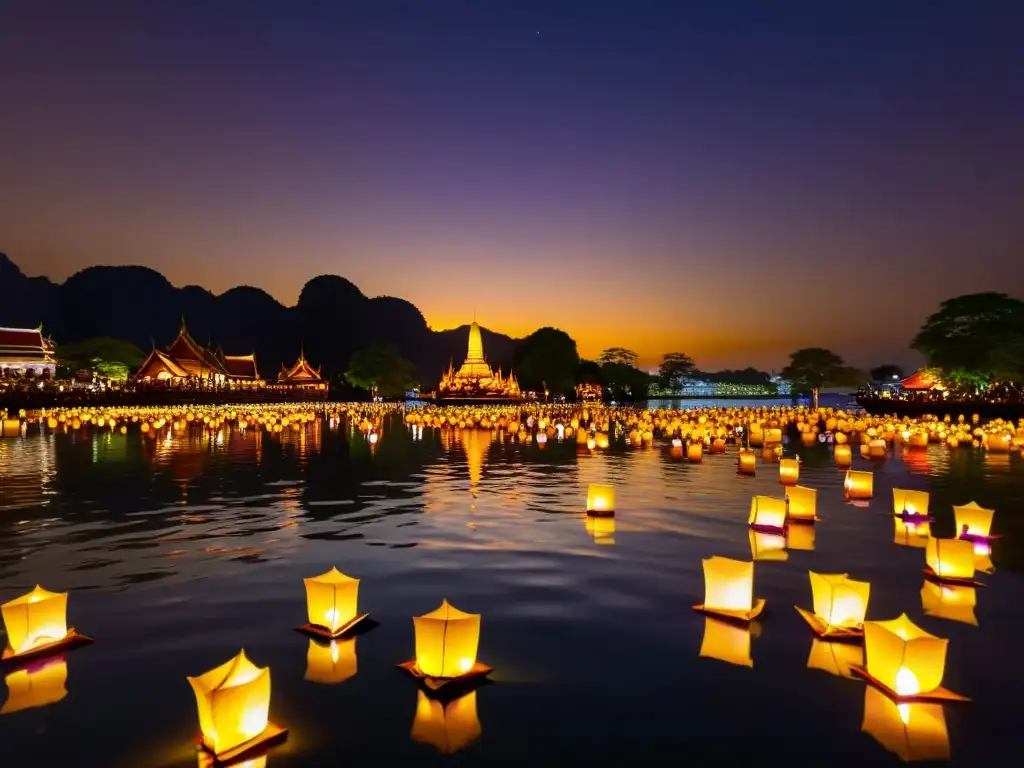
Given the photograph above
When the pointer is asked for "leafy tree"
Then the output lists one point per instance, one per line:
(625, 381)
(381, 369)
(978, 333)
(887, 372)
(748, 375)
(548, 357)
(675, 368)
(588, 372)
(111, 358)
(619, 355)
(813, 368)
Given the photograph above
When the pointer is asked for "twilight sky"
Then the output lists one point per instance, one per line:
(729, 179)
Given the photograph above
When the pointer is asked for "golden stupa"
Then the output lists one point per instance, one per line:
(475, 379)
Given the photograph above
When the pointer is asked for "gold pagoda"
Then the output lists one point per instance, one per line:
(475, 379)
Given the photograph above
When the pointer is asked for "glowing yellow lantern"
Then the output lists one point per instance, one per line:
(768, 546)
(800, 538)
(729, 589)
(446, 642)
(878, 449)
(35, 621)
(911, 503)
(789, 471)
(695, 452)
(859, 485)
(449, 726)
(835, 658)
(600, 499)
(331, 603)
(331, 663)
(808, 438)
(601, 528)
(973, 521)
(839, 605)
(841, 454)
(234, 706)
(904, 660)
(950, 559)
(911, 730)
(747, 462)
(38, 686)
(726, 642)
(772, 436)
(803, 504)
(954, 602)
(767, 513)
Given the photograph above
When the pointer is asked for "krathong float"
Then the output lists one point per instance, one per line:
(36, 625)
(600, 499)
(447, 640)
(950, 561)
(803, 504)
(234, 708)
(746, 462)
(859, 485)
(911, 506)
(974, 522)
(729, 590)
(767, 514)
(789, 471)
(840, 604)
(905, 662)
(332, 600)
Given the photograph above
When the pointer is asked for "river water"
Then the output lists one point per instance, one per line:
(180, 551)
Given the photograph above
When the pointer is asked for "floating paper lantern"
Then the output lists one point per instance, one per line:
(767, 514)
(808, 438)
(332, 600)
(954, 602)
(911, 730)
(234, 707)
(729, 589)
(841, 454)
(836, 658)
(789, 471)
(839, 604)
(35, 621)
(446, 642)
(694, 452)
(36, 686)
(919, 440)
(904, 660)
(726, 642)
(10, 428)
(803, 504)
(910, 503)
(718, 445)
(772, 436)
(950, 559)
(601, 528)
(448, 726)
(768, 546)
(800, 538)
(859, 485)
(332, 662)
(600, 499)
(878, 449)
(747, 462)
(912, 534)
(973, 521)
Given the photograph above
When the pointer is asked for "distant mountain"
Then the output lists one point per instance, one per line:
(331, 320)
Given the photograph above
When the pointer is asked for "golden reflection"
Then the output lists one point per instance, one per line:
(475, 444)
(27, 468)
(330, 663)
(726, 642)
(954, 602)
(206, 760)
(802, 503)
(912, 731)
(601, 528)
(36, 686)
(912, 534)
(450, 726)
(800, 537)
(768, 546)
(836, 658)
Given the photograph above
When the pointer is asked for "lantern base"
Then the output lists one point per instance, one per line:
(931, 575)
(768, 529)
(802, 520)
(938, 695)
(825, 632)
(271, 735)
(345, 629)
(601, 513)
(475, 676)
(735, 616)
(909, 517)
(72, 639)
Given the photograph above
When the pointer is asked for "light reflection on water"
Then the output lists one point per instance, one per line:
(180, 550)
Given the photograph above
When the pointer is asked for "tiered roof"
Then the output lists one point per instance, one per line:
(186, 358)
(25, 345)
(300, 373)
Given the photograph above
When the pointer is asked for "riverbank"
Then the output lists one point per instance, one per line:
(34, 401)
(916, 408)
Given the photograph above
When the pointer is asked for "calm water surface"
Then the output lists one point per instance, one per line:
(180, 551)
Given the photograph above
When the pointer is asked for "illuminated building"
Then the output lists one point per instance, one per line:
(302, 375)
(24, 350)
(475, 379)
(188, 363)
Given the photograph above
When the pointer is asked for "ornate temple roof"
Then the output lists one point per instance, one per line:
(241, 366)
(25, 345)
(300, 373)
(475, 377)
(185, 358)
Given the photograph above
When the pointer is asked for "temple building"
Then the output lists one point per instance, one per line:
(188, 363)
(301, 375)
(475, 379)
(26, 351)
